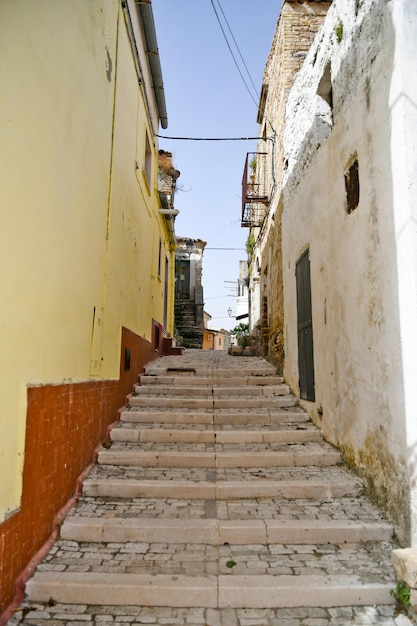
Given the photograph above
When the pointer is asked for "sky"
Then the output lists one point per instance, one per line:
(207, 97)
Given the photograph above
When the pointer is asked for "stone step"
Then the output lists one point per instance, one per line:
(204, 381)
(214, 417)
(356, 508)
(192, 369)
(212, 402)
(186, 455)
(219, 532)
(212, 391)
(220, 490)
(217, 494)
(44, 614)
(263, 591)
(144, 433)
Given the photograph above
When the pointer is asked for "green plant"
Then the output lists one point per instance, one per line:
(240, 330)
(231, 564)
(241, 333)
(339, 31)
(402, 594)
(250, 244)
(252, 164)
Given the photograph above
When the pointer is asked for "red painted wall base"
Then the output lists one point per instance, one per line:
(64, 425)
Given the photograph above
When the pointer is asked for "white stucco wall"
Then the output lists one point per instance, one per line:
(255, 293)
(363, 265)
(242, 300)
(403, 104)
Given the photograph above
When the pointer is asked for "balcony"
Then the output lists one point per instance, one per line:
(255, 198)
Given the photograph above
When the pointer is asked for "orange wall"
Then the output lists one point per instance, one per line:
(208, 340)
(64, 425)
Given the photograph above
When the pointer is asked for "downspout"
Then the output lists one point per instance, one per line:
(170, 215)
(171, 212)
(145, 10)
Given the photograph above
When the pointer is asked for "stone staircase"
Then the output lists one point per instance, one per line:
(218, 503)
(189, 323)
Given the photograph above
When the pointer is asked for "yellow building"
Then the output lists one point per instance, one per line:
(87, 249)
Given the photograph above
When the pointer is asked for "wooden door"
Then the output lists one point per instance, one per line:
(305, 328)
(182, 283)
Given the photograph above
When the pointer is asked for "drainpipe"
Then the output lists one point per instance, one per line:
(175, 174)
(171, 212)
(145, 10)
(169, 221)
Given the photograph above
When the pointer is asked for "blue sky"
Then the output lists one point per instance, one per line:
(206, 97)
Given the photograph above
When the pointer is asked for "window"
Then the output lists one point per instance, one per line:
(352, 186)
(324, 90)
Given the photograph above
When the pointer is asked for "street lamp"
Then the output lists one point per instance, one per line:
(229, 312)
(189, 245)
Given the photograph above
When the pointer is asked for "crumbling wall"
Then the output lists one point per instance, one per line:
(297, 26)
(338, 121)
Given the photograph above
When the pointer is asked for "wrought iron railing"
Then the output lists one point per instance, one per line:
(255, 198)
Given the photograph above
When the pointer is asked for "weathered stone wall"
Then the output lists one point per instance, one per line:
(297, 26)
(189, 312)
(351, 102)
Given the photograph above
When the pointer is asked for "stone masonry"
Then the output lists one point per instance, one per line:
(297, 27)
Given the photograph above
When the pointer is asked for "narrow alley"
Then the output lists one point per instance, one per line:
(147, 476)
(216, 502)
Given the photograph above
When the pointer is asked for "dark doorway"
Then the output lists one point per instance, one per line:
(305, 328)
(166, 292)
(182, 284)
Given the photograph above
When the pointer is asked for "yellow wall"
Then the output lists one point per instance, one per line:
(79, 229)
(134, 288)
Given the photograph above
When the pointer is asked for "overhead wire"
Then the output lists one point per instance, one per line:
(238, 49)
(210, 138)
(231, 51)
(250, 77)
(256, 102)
(243, 61)
(242, 77)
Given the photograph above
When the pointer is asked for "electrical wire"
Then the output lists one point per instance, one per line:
(211, 138)
(250, 77)
(231, 52)
(237, 48)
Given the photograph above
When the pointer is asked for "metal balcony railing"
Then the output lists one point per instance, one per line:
(255, 197)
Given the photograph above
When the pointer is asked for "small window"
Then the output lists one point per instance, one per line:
(352, 186)
(324, 89)
(148, 161)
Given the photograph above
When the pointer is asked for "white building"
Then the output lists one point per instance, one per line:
(242, 300)
(337, 251)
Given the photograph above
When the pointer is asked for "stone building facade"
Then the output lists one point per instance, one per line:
(189, 300)
(339, 241)
(297, 26)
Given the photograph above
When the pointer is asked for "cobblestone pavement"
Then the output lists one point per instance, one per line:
(371, 559)
(80, 615)
(330, 475)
